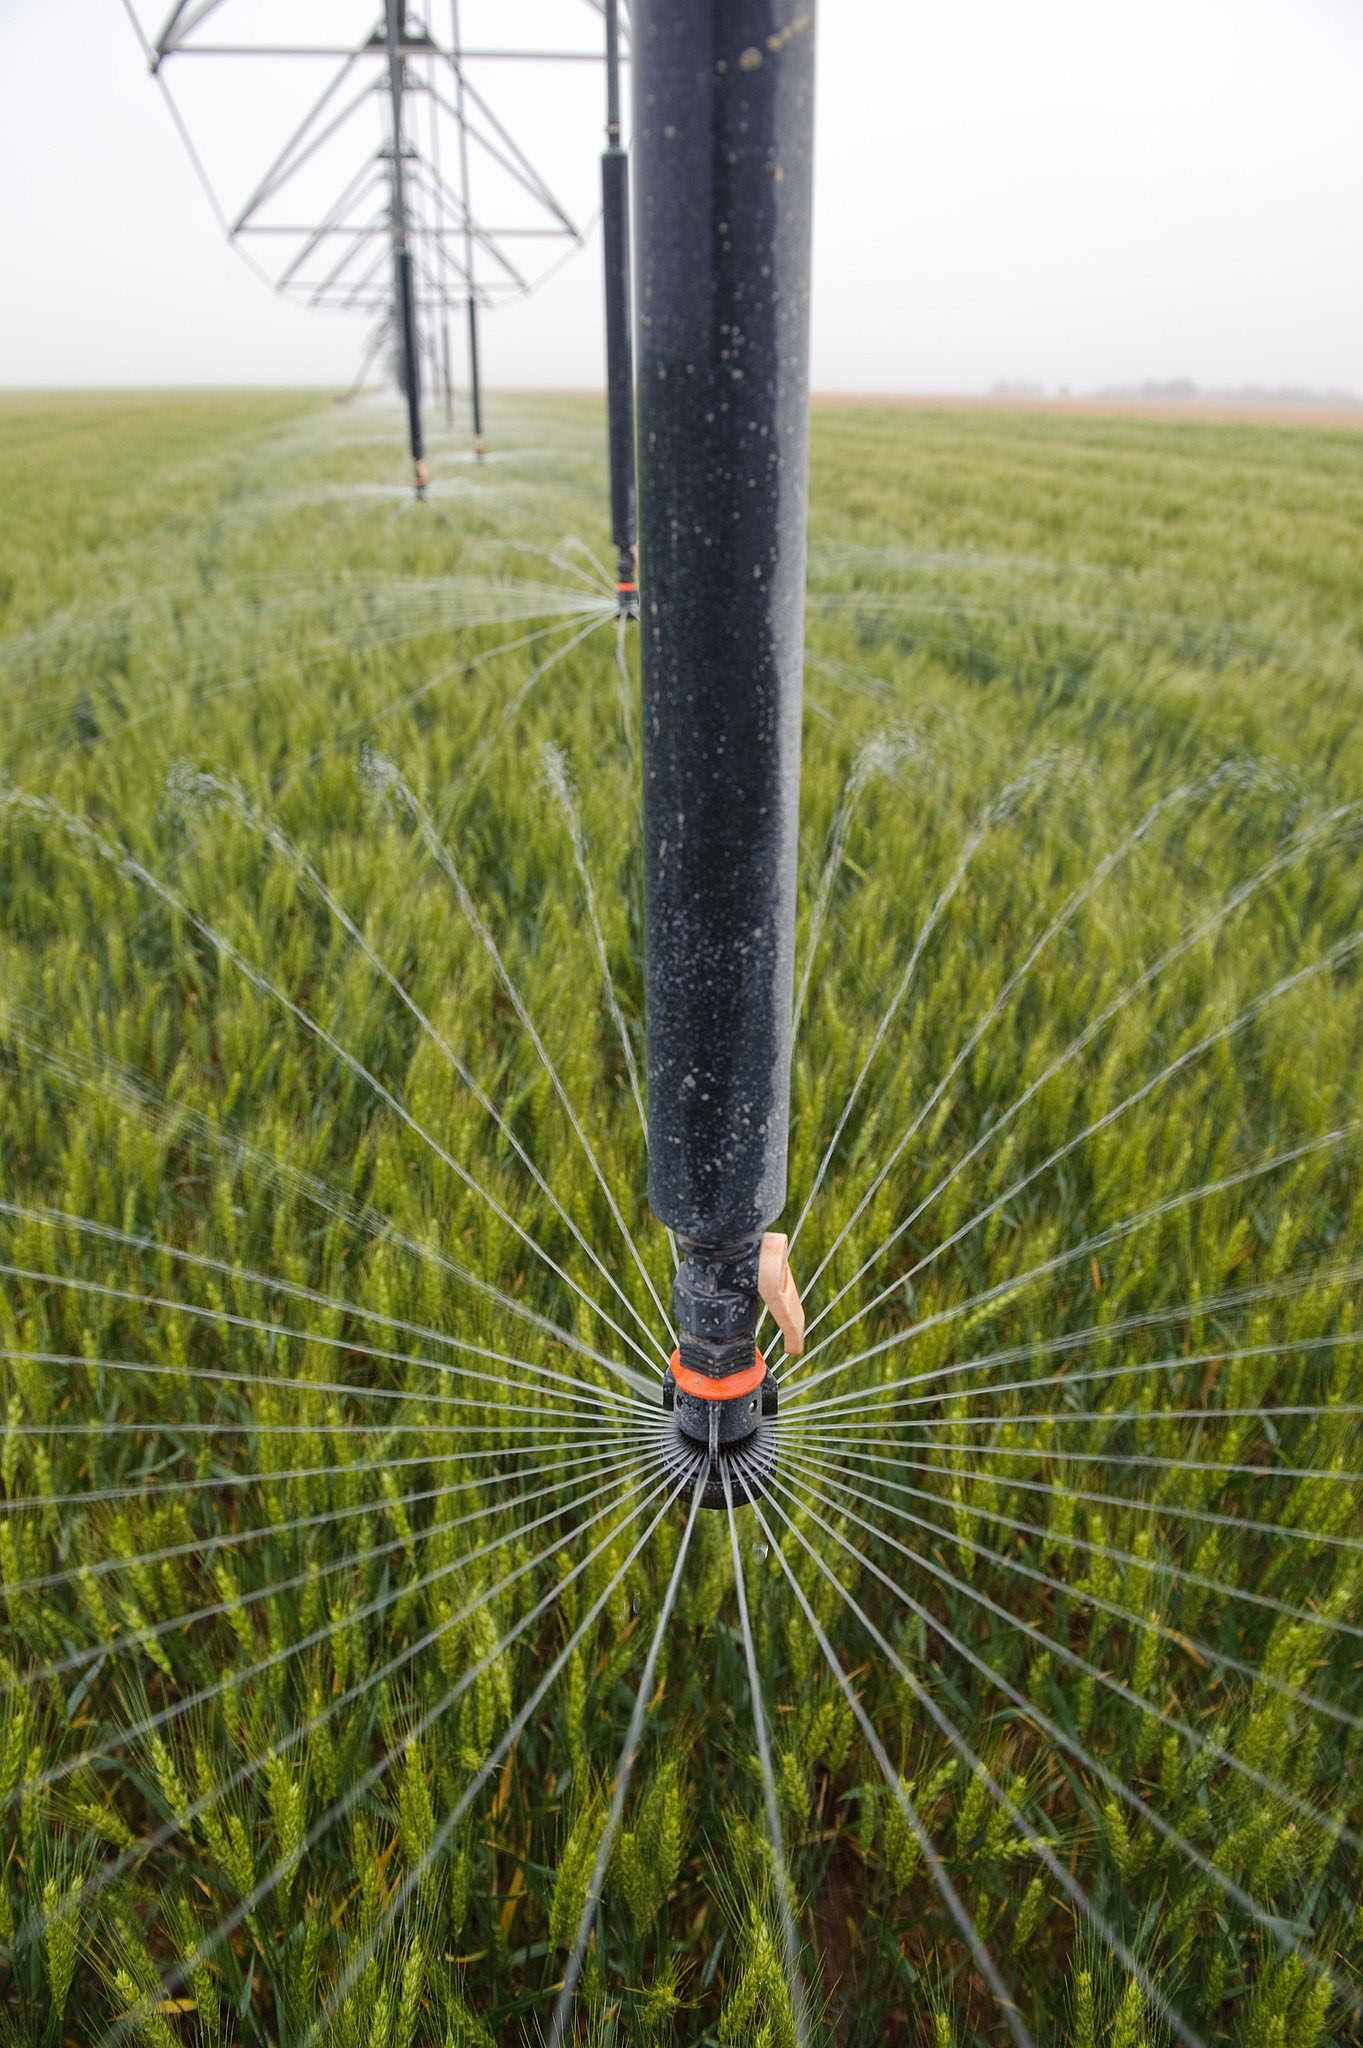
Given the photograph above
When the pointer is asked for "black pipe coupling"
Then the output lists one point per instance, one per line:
(716, 1305)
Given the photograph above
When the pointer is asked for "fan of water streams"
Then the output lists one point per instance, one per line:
(371, 1673)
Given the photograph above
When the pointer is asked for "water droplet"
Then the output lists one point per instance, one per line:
(760, 1551)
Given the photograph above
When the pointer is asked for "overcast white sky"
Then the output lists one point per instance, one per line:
(1070, 192)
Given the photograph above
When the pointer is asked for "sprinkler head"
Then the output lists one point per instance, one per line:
(419, 480)
(627, 584)
(718, 1390)
(479, 447)
(734, 1430)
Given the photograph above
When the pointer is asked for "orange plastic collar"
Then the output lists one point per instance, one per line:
(732, 1387)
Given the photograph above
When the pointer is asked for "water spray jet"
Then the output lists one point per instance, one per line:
(722, 145)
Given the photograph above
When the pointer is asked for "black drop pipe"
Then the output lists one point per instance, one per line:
(411, 366)
(470, 244)
(722, 148)
(619, 347)
(446, 378)
(475, 382)
(395, 29)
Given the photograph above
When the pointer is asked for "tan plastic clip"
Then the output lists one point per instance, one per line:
(777, 1288)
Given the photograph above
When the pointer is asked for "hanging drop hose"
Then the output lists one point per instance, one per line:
(404, 293)
(619, 348)
(722, 147)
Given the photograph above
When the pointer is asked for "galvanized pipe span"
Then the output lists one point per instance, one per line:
(722, 152)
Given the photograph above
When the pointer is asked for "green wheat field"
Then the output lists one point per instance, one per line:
(333, 1537)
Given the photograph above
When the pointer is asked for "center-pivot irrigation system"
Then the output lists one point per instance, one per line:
(990, 1579)
(396, 233)
(722, 155)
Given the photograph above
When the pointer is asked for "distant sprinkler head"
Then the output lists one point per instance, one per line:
(718, 1390)
(479, 447)
(419, 480)
(627, 584)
